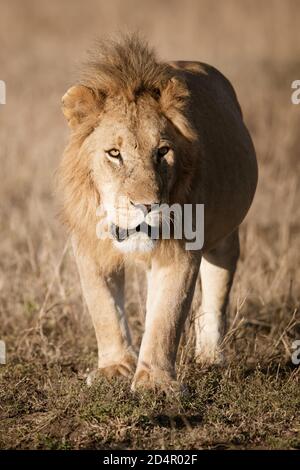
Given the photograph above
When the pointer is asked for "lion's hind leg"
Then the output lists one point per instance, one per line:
(216, 271)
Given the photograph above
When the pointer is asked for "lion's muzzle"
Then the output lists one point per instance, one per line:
(121, 234)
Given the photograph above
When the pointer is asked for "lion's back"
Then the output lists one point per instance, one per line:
(226, 152)
(205, 79)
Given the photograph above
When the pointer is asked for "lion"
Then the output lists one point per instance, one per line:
(151, 132)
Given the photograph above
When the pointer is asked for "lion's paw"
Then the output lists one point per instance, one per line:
(124, 368)
(146, 379)
(208, 358)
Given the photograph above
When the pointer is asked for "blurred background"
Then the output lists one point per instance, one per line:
(257, 46)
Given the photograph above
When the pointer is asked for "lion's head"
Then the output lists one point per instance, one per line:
(130, 134)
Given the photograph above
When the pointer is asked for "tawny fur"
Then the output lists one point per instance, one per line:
(127, 99)
(128, 69)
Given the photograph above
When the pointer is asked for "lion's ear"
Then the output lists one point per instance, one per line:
(174, 103)
(78, 103)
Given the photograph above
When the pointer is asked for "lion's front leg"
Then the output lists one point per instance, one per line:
(104, 295)
(170, 292)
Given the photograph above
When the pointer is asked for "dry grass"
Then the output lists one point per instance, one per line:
(253, 402)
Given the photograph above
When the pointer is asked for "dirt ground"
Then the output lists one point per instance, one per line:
(253, 401)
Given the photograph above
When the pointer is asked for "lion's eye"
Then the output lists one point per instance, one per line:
(162, 151)
(114, 153)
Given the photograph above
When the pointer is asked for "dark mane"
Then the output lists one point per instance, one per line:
(126, 66)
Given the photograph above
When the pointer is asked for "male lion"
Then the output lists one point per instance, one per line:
(149, 132)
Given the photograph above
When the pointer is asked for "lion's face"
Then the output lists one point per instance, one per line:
(130, 141)
(133, 163)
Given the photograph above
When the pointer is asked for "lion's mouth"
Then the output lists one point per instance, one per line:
(121, 234)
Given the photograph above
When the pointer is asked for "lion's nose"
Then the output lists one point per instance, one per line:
(145, 207)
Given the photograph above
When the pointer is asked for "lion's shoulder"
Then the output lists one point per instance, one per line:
(204, 78)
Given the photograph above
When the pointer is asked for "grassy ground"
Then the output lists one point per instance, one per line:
(254, 401)
(49, 407)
